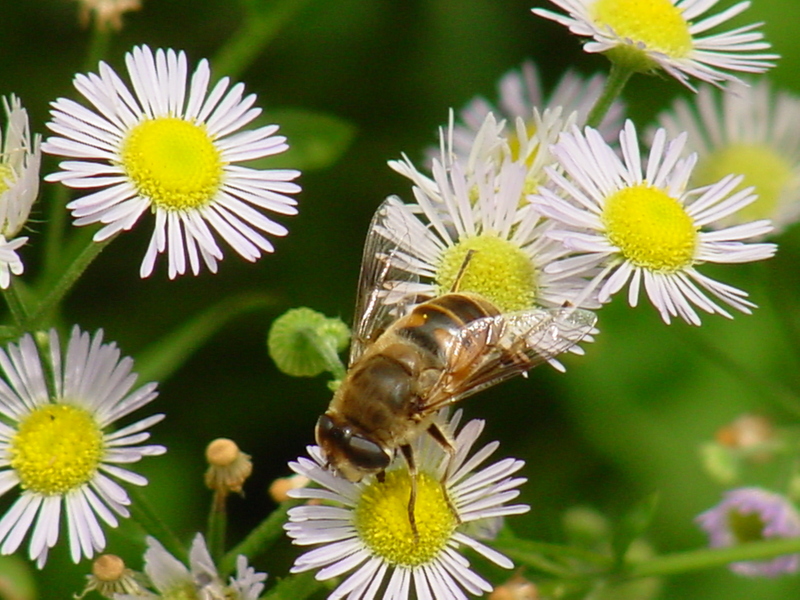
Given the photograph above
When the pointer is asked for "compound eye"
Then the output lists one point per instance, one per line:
(366, 454)
(328, 430)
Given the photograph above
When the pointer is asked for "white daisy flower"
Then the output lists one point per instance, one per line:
(170, 578)
(477, 207)
(645, 226)
(171, 151)
(55, 443)
(520, 93)
(750, 131)
(363, 528)
(20, 159)
(666, 34)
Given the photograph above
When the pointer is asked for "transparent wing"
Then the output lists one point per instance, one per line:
(385, 270)
(492, 349)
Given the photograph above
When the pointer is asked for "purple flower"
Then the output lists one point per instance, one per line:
(752, 514)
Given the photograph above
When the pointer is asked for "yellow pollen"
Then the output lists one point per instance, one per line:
(762, 167)
(747, 527)
(658, 24)
(651, 229)
(381, 519)
(498, 270)
(173, 163)
(57, 448)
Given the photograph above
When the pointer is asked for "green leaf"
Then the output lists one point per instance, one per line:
(316, 140)
(166, 356)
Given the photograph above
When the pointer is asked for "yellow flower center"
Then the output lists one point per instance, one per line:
(515, 144)
(183, 591)
(381, 519)
(498, 270)
(6, 177)
(747, 527)
(532, 180)
(658, 24)
(651, 229)
(764, 168)
(57, 448)
(173, 163)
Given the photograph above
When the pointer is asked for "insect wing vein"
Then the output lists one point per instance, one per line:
(385, 267)
(516, 342)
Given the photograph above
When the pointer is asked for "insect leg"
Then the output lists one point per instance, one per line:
(444, 441)
(408, 453)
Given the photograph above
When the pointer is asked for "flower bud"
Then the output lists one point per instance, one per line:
(228, 467)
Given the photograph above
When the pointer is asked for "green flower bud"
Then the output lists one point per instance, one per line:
(305, 343)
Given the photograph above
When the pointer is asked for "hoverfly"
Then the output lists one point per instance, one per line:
(405, 365)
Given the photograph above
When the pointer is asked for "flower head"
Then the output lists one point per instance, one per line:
(55, 442)
(645, 226)
(752, 131)
(110, 576)
(521, 97)
(228, 467)
(171, 151)
(107, 13)
(172, 580)
(363, 528)
(665, 34)
(751, 514)
(20, 158)
(477, 208)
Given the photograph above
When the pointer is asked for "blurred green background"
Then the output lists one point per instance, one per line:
(624, 422)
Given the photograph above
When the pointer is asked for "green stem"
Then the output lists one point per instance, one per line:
(260, 26)
(42, 341)
(531, 553)
(98, 46)
(54, 235)
(16, 306)
(217, 525)
(143, 513)
(324, 345)
(693, 560)
(617, 78)
(258, 540)
(68, 279)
